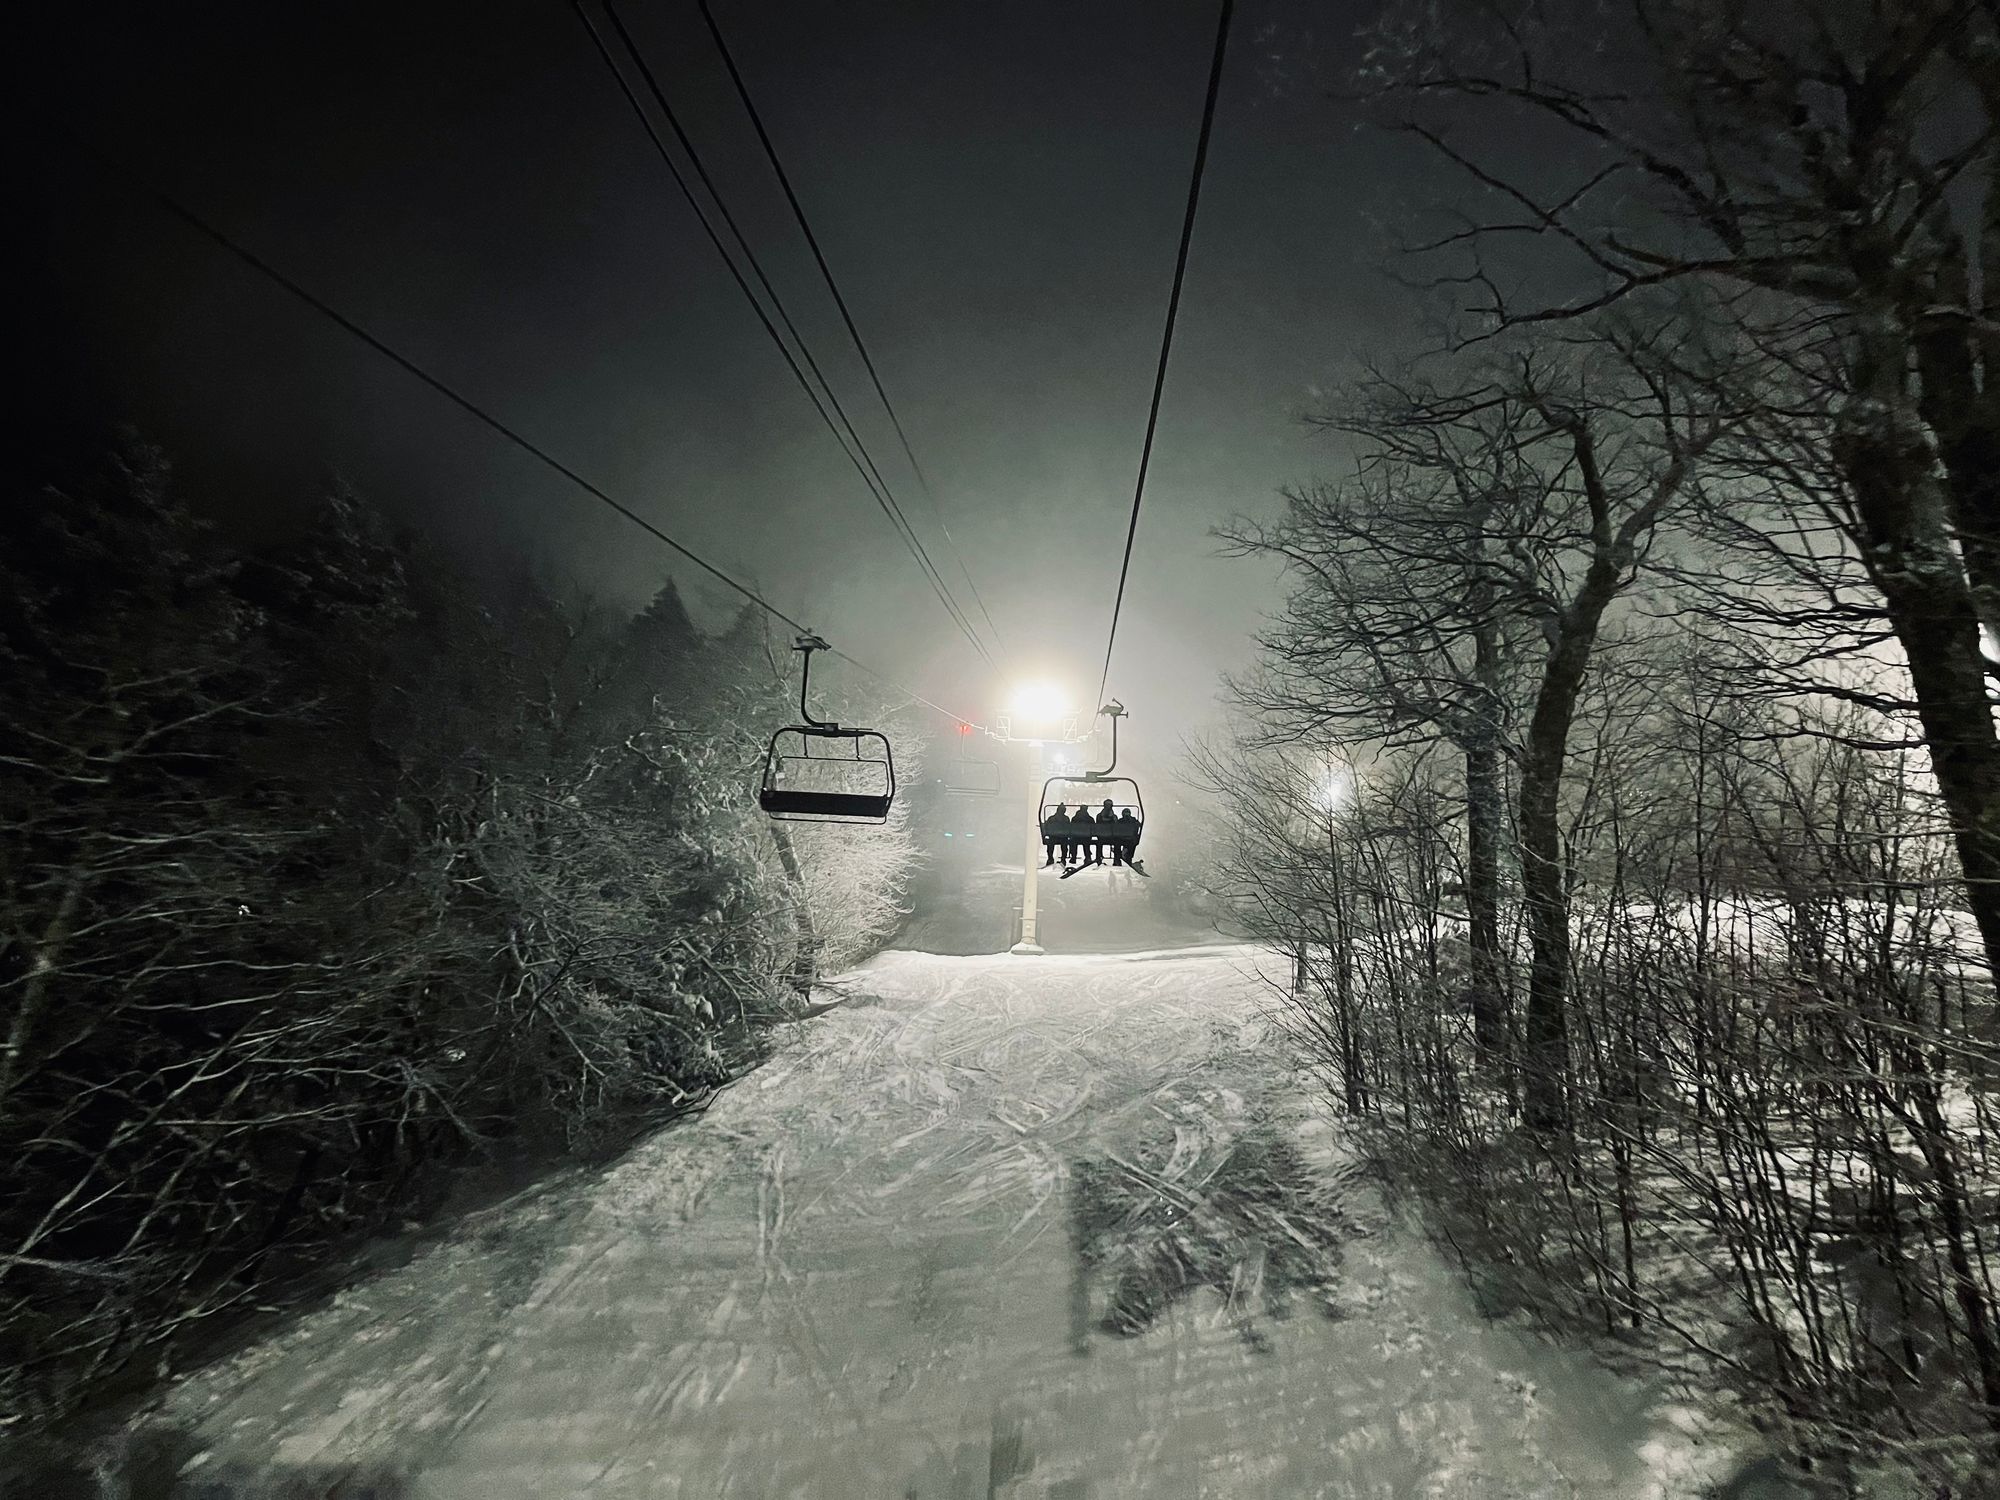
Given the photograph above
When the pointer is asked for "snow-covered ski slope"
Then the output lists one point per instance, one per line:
(996, 1227)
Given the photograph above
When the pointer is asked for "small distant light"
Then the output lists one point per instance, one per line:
(947, 835)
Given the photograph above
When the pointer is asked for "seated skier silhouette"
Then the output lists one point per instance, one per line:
(1056, 835)
(1128, 839)
(1077, 835)
(1083, 839)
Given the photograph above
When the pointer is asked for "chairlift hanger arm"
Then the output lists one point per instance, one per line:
(806, 645)
(1114, 711)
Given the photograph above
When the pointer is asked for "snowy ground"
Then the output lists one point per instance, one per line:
(996, 1227)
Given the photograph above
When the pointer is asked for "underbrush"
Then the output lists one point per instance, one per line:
(1776, 1179)
(328, 876)
(1777, 1194)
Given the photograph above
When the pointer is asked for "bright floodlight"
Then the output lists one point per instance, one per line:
(1332, 791)
(1040, 702)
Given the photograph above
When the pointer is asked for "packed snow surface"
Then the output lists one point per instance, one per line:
(995, 1227)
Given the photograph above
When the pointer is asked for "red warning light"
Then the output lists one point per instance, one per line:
(965, 729)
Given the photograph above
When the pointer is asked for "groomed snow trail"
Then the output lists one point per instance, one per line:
(998, 1227)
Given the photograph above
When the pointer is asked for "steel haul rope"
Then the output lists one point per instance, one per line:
(857, 454)
(263, 267)
(1167, 336)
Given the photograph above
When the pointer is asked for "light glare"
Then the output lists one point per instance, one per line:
(1332, 791)
(1040, 702)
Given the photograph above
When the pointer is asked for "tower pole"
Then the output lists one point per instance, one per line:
(1030, 863)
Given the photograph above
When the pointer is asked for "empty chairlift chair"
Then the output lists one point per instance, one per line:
(969, 776)
(822, 772)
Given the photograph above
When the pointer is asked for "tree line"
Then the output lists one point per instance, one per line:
(330, 871)
(1622, 771)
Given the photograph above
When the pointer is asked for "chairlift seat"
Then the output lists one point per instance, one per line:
(839, 807)
(869, 761)
(971, 778)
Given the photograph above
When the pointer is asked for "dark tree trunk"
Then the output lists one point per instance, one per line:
(1484, 820)
(1973, 464)
(1933, 1137)
(1485, 817)
(1543, 869)
(1544, 881)
(805, 952)
(1933, 608)
(1956, 364)
(1544, 872)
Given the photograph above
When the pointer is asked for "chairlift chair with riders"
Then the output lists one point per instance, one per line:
(1056, 793)
(807, 777)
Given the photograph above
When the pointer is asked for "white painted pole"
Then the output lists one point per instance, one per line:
(1031, 865)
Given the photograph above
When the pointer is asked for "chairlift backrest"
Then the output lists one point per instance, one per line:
(1089, 789)
(820, 775)
(971, 778)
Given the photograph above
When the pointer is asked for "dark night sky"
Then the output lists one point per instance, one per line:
(998, 187)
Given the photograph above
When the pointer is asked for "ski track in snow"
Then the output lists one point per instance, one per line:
(858, 1275)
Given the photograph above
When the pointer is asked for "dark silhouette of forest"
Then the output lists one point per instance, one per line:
(332, 873)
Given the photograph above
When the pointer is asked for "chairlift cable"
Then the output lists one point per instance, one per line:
(912, 693)
(852, 441)
(1167, 335)
(864, 464)
(871, 472)
(257, 263)
(839, 301)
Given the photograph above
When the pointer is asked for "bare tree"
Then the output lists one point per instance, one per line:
(1831, 168)
(1400, 624)
(1507, 517)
